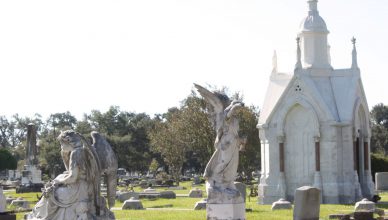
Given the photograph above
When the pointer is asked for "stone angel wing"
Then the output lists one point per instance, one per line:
(93, 173)
(109, 165)
(217, 105)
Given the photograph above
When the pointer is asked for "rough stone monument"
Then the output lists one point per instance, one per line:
(31, 180)
(307, 203)
(224, 200)
(75, 194)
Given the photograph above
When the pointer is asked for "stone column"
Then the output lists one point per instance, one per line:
(366, 156)
(317, 175)
(263, 161)
(357, 186)
(369, 185)
(282, 178)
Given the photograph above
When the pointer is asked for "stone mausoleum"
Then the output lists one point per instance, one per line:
(315, 124)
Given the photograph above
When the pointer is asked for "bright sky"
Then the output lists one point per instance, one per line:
(145, 55)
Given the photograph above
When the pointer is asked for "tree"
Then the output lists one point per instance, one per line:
(7, 161)
(153, 168)
(166, 140)
(379, 139)
(250, 153)
(61, 121)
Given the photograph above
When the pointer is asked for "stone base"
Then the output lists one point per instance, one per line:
(225, 211)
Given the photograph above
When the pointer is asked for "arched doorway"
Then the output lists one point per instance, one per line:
(299, 149)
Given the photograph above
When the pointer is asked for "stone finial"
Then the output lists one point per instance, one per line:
(298, 64)
(274, 62)
(354, 54)
(313, 5)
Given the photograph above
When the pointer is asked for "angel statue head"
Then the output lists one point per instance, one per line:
(220, 106)
(69, 140)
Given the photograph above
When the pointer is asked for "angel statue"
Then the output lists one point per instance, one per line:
(221, 170)
(75, 194)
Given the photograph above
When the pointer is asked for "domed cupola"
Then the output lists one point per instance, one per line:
(313, 22)
(313, 37)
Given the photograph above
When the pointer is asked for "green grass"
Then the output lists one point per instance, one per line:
(174, 212)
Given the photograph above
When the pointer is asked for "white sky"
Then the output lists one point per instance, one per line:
(145, 55)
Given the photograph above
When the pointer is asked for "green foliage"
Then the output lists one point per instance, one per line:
(379, 163)
(379, 139)
(7, 161)
(249, 153)
(153, 166)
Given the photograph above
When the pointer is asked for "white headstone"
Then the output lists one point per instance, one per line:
(365, 205)
(3, 202)
(307, 203)
(381, 181)
(281, 204)
(132, 203)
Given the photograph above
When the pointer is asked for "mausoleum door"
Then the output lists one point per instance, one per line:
(299, 149)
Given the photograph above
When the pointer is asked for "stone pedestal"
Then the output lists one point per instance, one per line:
(381, 181)
(307, 203)
(225, 211)
(363, 216)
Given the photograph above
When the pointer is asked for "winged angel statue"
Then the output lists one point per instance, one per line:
(221, 170)
(75, 194)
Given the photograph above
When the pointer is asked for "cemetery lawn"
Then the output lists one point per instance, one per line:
(182, 208)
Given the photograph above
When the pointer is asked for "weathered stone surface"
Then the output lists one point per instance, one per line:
(307, 203)
(225, 211)
(167, 194)
(85, 165)
(132, 203)
(3, 202)
(365, 205)
(200, 205)
(122, 196)
(381, 181)
(195, 193)
(242, 188)
(281, 204)
(363, 215)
